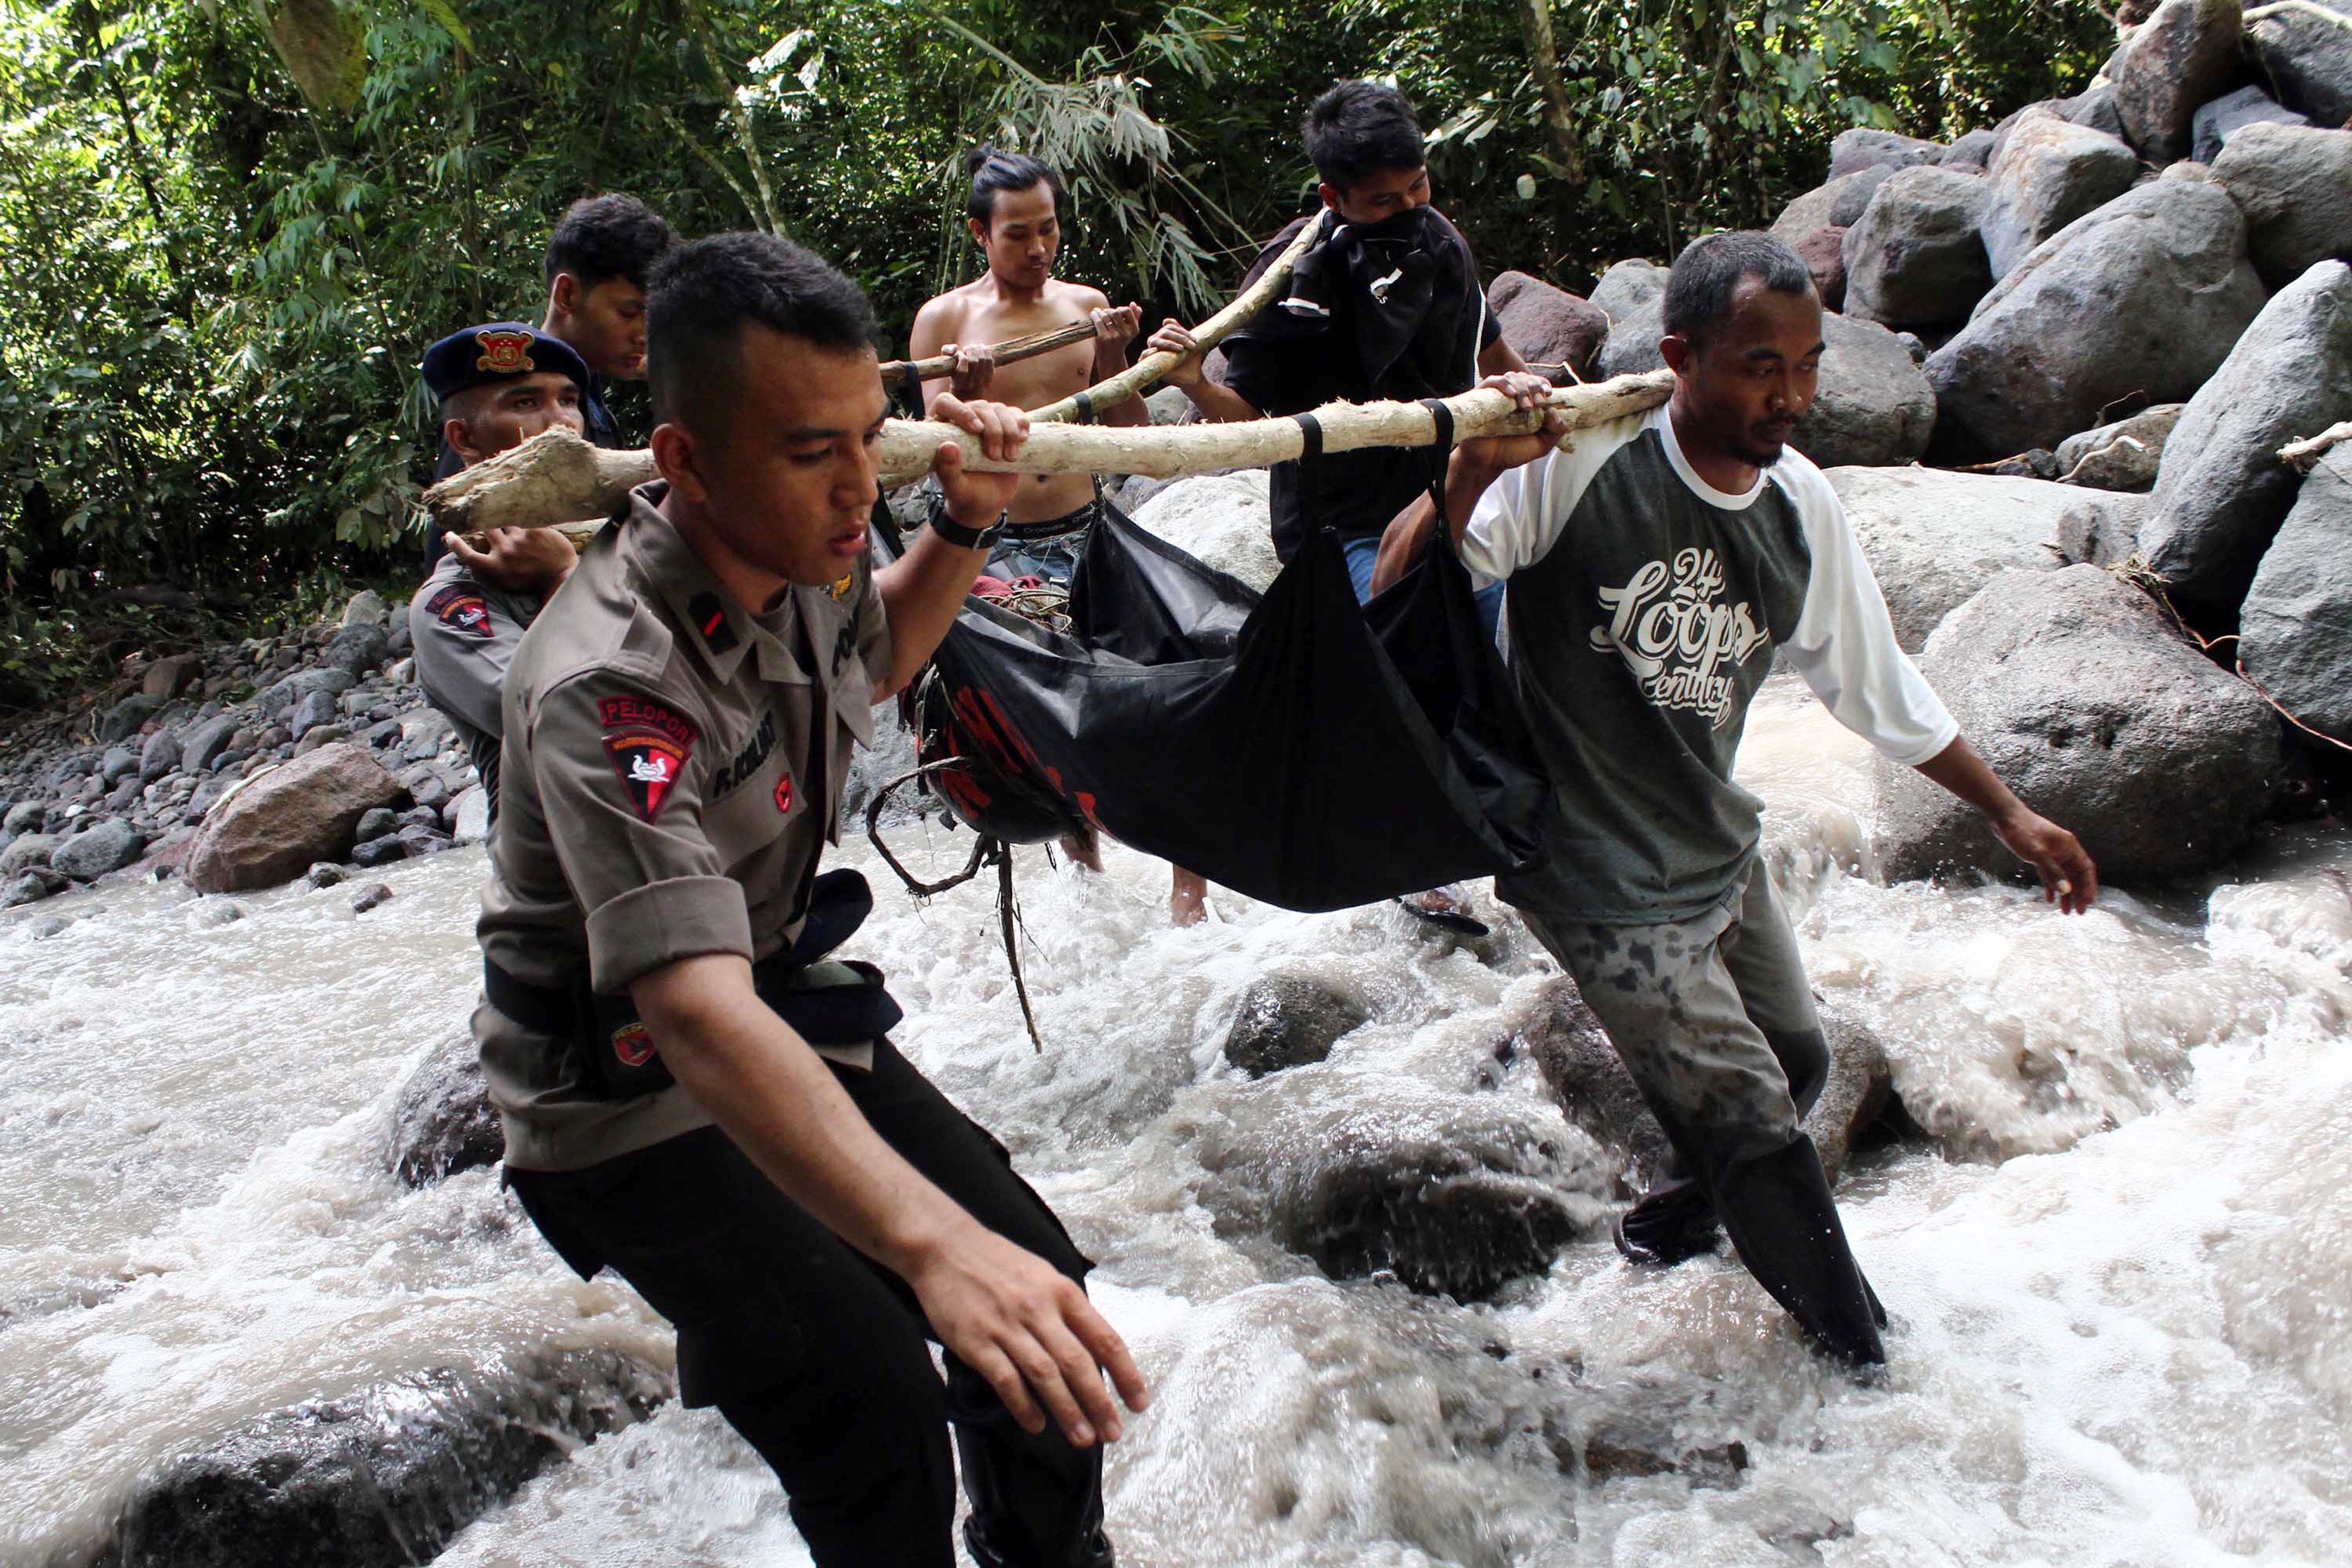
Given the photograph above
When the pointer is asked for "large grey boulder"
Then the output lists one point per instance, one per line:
(382, 1478)
(1823, 254)
(2294, 631)
(1935, 537)
(2101, 528)
(2232, 112)
(1971, 150)
(1547, 325)
(173, 674)
(1835, 205)
(2080, 693)
(1453, 1193)
(2051, 171)
(1852, 151)
(2096, 109)
(1628, 286)
(1222, 520)
(2222, 491)
(2142, 299)
(2295, 184)
(304, 811)
(2183, 54)
(90, 855)
(125, 718)
(1872, 405)
(2120, 455)
(2308, 59)
(1915, 259)
(27, 851)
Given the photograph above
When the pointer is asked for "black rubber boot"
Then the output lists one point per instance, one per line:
(1783, 1219)
(1673, 1222)
(1036, 1502)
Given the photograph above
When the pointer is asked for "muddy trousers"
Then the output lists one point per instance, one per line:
(818, 1356)
(1713, 1019)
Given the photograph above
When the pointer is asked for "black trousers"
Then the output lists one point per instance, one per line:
(817, 1354)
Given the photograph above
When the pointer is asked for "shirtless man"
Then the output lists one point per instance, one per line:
(1015, 216)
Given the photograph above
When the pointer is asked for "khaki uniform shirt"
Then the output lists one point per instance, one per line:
(673, 769)
(464, 634)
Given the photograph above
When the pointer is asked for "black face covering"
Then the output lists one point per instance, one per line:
(1401, 291)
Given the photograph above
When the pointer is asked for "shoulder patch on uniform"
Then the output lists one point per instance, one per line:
(710, 620)
(649, 744)
(461, 608)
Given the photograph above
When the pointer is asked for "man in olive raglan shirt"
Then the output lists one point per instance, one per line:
(1656, 565)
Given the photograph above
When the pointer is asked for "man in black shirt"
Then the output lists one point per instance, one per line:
(597, 260)
(1387, 304)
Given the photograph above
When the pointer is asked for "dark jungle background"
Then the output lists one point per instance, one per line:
(228, 227)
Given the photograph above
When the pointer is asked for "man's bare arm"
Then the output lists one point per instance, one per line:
(1011, 1316)
(1499, 359)
(1218, 403)
(1474, 466)
(2067, 873)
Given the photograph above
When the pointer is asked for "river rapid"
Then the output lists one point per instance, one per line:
(2117, 1265)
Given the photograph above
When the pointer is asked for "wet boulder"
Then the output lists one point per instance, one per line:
(2183, 55)
(2308, 59)
(31, 885)
(1289, 1021)
(1914, 259)
(1872, 405)
(1222, 520)
(1370, 1173)
(1852, 151)
(1547, 325)
(2101, 528)
(2121, 455)
(1628, 286)
(444, 1123)
(2222, 491)
(1934, 538)
(27, 850)
(2295, 628)
(89, 855)
(2080, 693)
(289, 817)
(382, 1478)
(2050, 172)
(2142, 299)
(2223, 119)
(2295, 184)
(1823, 254)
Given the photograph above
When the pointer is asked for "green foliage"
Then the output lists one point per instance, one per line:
(228, 227)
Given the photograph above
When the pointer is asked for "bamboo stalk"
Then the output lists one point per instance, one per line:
(1009, 352)
(557, 475)
(1146, 371)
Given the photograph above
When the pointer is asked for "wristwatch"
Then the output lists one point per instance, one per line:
(963, 537)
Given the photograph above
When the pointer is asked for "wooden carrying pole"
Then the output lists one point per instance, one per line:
(1009, 352)
(1146, 371)
(556, 476)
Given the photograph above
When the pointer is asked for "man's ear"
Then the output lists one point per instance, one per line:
(1330, 194)
(979, 232)
(1677, 351)
(460, 437)
(679, 460)
(563, 295)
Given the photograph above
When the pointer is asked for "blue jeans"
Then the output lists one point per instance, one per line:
(1363, 553)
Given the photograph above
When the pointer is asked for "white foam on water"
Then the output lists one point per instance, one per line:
(2119, 1336)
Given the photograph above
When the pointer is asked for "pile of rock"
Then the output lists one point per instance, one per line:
(243, 764)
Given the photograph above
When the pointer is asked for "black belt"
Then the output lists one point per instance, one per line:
(833, 1003)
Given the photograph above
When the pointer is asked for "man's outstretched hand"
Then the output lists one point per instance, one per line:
(1022, 1324)
(976, 500)
(2067, 874)
(1501, 453)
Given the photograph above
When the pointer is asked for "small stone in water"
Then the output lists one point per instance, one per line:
(370, 896)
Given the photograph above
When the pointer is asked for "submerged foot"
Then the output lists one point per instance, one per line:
(1188, 895)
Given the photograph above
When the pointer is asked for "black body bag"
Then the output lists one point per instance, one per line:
(1296, 748)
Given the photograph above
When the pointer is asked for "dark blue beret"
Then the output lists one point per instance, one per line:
(498, 351)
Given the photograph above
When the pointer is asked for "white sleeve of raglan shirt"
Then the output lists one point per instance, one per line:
(1845, 644)
(1523, 514)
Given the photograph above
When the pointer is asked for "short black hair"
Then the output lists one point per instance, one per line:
(1706, 278)
(1360, 127)
(992, 170)
(705, 291)
(608, 236)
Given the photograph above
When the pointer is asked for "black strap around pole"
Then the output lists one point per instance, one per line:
(1310, 456)
(1441, 457)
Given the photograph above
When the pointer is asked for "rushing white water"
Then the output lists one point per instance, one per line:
(2116, 1273)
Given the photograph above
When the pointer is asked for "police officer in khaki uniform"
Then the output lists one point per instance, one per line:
(693, 1093)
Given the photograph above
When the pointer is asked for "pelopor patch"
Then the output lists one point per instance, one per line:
(649, 744)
